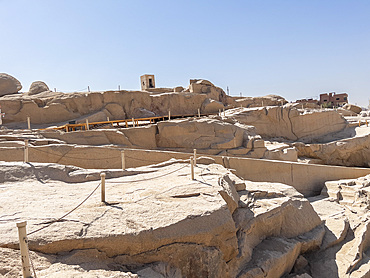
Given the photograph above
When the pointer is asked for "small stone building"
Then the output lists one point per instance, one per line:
(147, 81)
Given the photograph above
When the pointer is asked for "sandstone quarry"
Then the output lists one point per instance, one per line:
(280, 189)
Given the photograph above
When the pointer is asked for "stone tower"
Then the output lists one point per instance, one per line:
(147, 81)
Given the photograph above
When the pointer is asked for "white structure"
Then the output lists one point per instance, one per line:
(147, 81)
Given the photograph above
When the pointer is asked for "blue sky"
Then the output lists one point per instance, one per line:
(297, 48)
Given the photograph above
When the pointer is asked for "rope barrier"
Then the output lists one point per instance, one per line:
(142, 159)
(81, 158)
(74, 157)
(62, 91)
(68, 213)
(29, 256)
(147, 179)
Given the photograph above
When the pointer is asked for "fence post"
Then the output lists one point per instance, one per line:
(107, 119)
(102, 184)
(198, 113)
(123, 160)
(359, 123)
(192, 168)
(26, 151)
(367, 124)
(219, 112)
(87, 124)
(29, 122)
(22, 233)
(133, 122)
(195, 157)
(169, 114)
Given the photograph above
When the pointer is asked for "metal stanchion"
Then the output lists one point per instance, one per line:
(22, 233)
(192, 168)
(29, 123)
(123, 160)
(102, 181)
(26, 151)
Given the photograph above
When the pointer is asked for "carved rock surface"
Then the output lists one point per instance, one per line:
(156, 220)
(344, 205)
(288, 122)
(347, 152)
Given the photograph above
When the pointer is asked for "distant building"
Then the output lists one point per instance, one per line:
(308, 100)
(147, 81)
(333, 99)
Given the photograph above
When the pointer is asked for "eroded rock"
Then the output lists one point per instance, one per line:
(288, 122)
(38, 87)
(135, 230)
(8, 84)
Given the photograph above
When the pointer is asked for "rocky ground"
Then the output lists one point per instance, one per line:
(156, 219)
(157, 222)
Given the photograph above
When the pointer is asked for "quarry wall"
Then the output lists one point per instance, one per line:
(308, 179)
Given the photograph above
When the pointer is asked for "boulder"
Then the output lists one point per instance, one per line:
(346, 113)
(8, 84)
(115, 111)
(354, 108)
(38, 87)
(178, 89)
(211, 106)
(143, 113)
(199, 86)
(200, 134)
(365, 114)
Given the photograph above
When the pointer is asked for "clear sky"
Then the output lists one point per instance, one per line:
(294, 48)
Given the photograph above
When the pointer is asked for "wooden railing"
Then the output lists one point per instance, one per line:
(121, 123)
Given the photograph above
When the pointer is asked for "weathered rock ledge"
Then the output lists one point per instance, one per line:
(157, 220)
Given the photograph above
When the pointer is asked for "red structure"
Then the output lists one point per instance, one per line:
(333, 99)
